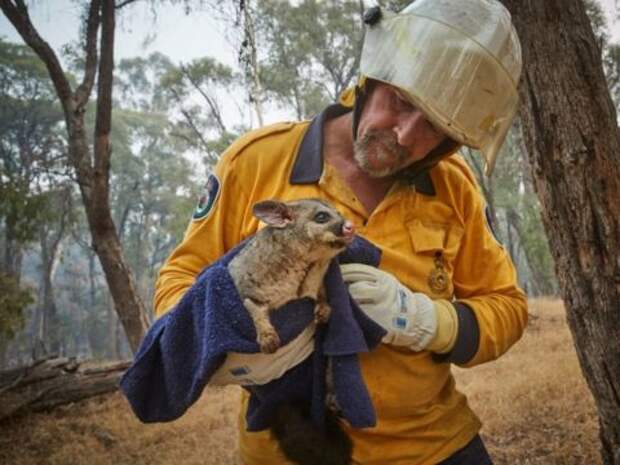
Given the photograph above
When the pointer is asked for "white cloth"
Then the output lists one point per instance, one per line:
(260, 368)
(409, 318)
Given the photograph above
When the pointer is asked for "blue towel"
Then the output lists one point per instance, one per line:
(183, 349)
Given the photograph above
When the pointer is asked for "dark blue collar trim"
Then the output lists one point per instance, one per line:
(308, 166)
(424, 184)
(309, 163)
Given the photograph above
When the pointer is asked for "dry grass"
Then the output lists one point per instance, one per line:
(103, 432)
(533, 402)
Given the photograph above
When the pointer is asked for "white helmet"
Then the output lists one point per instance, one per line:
(458, 61)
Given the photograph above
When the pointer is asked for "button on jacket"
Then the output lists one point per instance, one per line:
(432, 226)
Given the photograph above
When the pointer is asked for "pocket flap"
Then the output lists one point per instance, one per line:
(427, 237)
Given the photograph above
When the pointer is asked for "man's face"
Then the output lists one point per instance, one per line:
(392, 133)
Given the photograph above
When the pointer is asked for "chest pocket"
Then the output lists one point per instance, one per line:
(436, 247)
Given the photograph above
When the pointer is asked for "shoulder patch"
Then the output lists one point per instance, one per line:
(208, 198)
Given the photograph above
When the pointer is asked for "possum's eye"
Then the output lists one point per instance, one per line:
(322, 217)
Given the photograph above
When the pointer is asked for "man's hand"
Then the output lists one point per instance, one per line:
(260, 368)
(411, 319)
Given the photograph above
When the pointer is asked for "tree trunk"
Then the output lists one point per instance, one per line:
(91, 305)
(540, 283)
(118, 342)
(38, 345)
(249, 58)
(486, 185)
(111, 345)
(573, 142)
(49, 330)
(13, 253)
(510, 242)
(92, 172)
(49, 383)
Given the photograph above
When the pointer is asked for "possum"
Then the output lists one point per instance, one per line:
(284, 261)
(287, 260)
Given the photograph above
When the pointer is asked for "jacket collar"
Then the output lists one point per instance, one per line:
(308, 166)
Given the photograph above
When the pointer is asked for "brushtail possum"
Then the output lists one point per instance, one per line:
(284, 261)
(287, 260)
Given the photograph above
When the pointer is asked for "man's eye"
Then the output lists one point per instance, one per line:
(322, 217)
(402, 103)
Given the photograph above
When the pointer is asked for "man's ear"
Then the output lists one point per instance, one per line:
(273, 213)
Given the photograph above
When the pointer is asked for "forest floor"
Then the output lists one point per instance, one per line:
(534, 404)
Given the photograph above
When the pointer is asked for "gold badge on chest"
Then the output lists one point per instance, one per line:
(438, 278)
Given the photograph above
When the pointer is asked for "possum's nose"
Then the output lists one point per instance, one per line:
(348, 230)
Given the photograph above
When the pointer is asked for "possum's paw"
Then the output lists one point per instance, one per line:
(322, 312)
(269, 341)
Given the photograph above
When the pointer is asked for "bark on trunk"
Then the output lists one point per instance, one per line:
(573, 142)
(49, 383)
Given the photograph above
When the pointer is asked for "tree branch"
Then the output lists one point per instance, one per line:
(17, 13)
(83, 91)
(124, 3)
(184, 137)
(210, 101)
(191, 124)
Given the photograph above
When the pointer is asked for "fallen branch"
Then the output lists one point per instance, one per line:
(51, 382)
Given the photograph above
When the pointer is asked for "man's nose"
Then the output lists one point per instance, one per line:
(412, 126)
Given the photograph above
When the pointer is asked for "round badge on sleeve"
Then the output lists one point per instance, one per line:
(208, 198)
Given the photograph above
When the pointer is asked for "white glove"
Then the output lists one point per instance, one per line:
(409, 318)
(260, 368)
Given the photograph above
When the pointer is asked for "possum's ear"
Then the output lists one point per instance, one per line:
(273, 213)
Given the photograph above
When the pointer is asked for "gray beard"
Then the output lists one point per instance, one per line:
(385, 146)
(362, 160)
(361, 157)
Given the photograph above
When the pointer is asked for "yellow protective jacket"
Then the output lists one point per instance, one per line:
(432, 227)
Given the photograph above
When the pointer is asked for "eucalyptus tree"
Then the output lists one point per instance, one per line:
(32, 154)
(13, 300)
(573, 141)
(33, 166)
(195, 92)
(91, 157)
(311, 51)
(154, 188)
(48, 334)
(154, 181)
